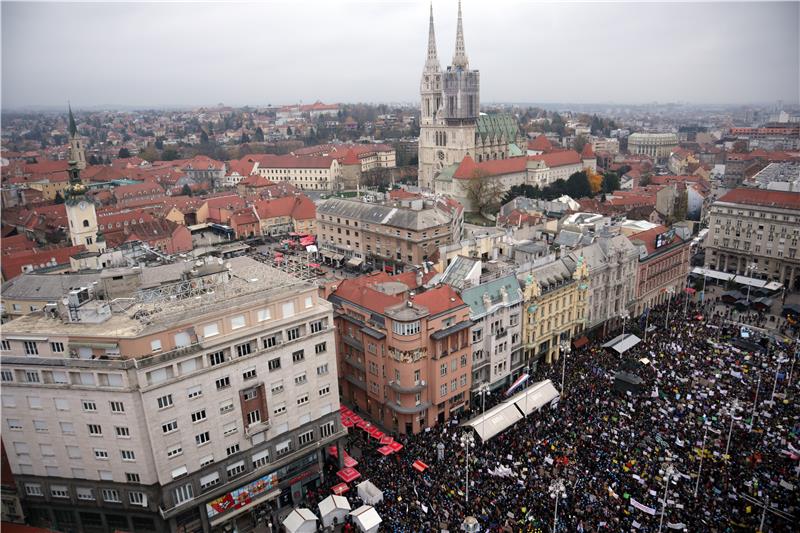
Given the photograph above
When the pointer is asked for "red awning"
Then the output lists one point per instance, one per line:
(346, 422)
(377, 434)
(580, 342)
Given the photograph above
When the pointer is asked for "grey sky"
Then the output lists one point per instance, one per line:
(348, 51)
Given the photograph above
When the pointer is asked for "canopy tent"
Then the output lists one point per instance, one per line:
(627, 382)
(366, 519)
(495, 420)
(333, 507)
(301, 521)
(622, 343)
(369, 493)
(533, 398)
(714, 274)
(341, 488)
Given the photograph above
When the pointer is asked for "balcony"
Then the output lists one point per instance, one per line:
(353, 342)
(500, 334)
(353, 380)
(408, 410)
(417, 387)
(258, 427)
(355, 363)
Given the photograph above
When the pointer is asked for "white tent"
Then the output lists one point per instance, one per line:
(495, 420)
(533, 398)
(333, 507)
(622, 343)
(369, 493)
(301, 521)
(366, 519)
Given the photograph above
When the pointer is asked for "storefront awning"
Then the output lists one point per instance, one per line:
(495, 420)
(336, 257)
(580, 342)
(355, 261)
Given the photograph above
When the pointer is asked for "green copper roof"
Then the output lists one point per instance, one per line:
(446, 174)
(473, 296)
(500, 124)
(514, 150)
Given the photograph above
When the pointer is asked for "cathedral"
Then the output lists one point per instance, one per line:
(451, 125)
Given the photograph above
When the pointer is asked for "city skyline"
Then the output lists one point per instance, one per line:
(363, 52)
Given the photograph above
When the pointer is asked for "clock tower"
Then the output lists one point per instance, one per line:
(81, 213)
(77, 151)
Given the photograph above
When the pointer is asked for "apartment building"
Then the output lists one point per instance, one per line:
(756, 227)
(555, 296)
(404, 349)
(388, 235)
(663, 266)
(322, 173)
(659, 146)
(141, 403)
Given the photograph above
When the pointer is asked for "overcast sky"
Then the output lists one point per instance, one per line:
(373, 51)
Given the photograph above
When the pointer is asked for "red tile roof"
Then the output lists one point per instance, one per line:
(559, 159)
(298, 207)
(763, 197)
(290, 161)
(587, 152)
(13, 263)
(468, 168)
(361, 290)
(540, 144)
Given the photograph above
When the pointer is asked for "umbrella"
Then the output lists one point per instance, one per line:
(376, 433)
(419, 466)
(333, 451)
(349, 462)
(363, 424)
(348, 474)
(385, 450)
(346, 422)
(386, 439)
(341, 488)
(395, 446)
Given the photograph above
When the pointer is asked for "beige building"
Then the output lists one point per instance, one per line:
(756, 227)
(141, 404)
(313, 173)
(390, 234)
(659, 146)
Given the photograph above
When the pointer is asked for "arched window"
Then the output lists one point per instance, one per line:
(85, 223)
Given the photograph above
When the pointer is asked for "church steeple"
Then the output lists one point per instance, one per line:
(432, 62)
(77, 151)
(460, 57)
(73, 129)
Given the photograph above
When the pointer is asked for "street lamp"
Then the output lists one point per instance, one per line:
(624, 315)
(755, 403)
(668, 473)
(702, 456)
(775, 383)
(483, 391)
(565, 350)
(733, 409)
(467, 442)
(670, 292)
(752, 267)
(557, 491)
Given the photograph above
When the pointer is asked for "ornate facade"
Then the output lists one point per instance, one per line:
(451, 126)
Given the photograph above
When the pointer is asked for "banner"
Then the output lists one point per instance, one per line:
(520, 380)
(642, 507)
(242, 496)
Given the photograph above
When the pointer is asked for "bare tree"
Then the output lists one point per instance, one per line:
(483, 192)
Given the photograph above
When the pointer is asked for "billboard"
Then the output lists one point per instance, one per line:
(662, 239)
(242, 496)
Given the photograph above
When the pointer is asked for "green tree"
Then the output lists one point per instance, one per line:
(124, 153)
(610, 182)
(579, 142)
(170, 154)
(483, 192)
(578, 186)
(186, 190)
(259, 135)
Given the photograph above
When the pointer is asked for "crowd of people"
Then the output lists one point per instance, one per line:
(614, 451)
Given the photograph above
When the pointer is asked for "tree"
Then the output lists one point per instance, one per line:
(186, 190)
(170, 154)
(595, 181)
(259, 135)
(245, 138)
(525, 190)
(124, 153)
(149, 153)
(204, 137)
(579, 142)
(645, 180)
(160, 143)
(288, 130)
(483, 192)
(577, 186)
(611, 182)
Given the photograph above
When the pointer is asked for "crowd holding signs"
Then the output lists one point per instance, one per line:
(645, 462)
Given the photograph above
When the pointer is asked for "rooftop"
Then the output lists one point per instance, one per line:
(394, 214)
(763, 197)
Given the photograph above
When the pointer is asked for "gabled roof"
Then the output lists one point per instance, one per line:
(559, 159)
(469, 169)
(499, 125)
(587, 152)
(540, 144)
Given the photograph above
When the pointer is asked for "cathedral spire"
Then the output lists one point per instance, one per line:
(73, 129)
(432, 63)
(460, 57)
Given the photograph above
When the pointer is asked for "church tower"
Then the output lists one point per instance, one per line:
(450, 104)
(81, 213)
(77, 151)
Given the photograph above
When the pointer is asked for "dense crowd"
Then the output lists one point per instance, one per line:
(611, 449)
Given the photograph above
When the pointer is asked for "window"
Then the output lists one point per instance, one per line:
(101, 454)
(10, 401)
(30, 347)
(271, 341)
(95, 430)
(443, 369)
(237, 322)
(231, 450)
(117, 407)
(298, 356)
(279, 409)
(287, 309)
(277, 387)
(169, 427)
(33, 489)
(216, 358)
(302, 400)
(164, 401)
(131, 477)
(40, 426)
(317, 326)
(85, 493)
(209, 330)
(300, 379)
(57, 347)
(34, 402)
(326, 430)
(122, 432)
(309, 301)
(127, 455)
(194, 392)
(306, 438)
(263, 314)
(322, 369)
(244, 349)
(250, 373)
(105, 475)
(137, 498)
(229, 429)
(223, 383)
(206, 482)
(250, 394)
(174, 451)
(405, 328)
(199, 416)
(155, 345)
(235, 469)
(89, 405)
(32, 376)
(7, 375)
(324, 391)
(207, 460)
(5, 346)
(59, 491)
(111, 495)
(183, 494)
(443, 390)
(321, 347)
(274, 364)
(253, 417)
(202, 438)
(225, 406)
(282, 448)
(67, 428)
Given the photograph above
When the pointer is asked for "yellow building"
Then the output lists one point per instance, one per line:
(555, 308)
